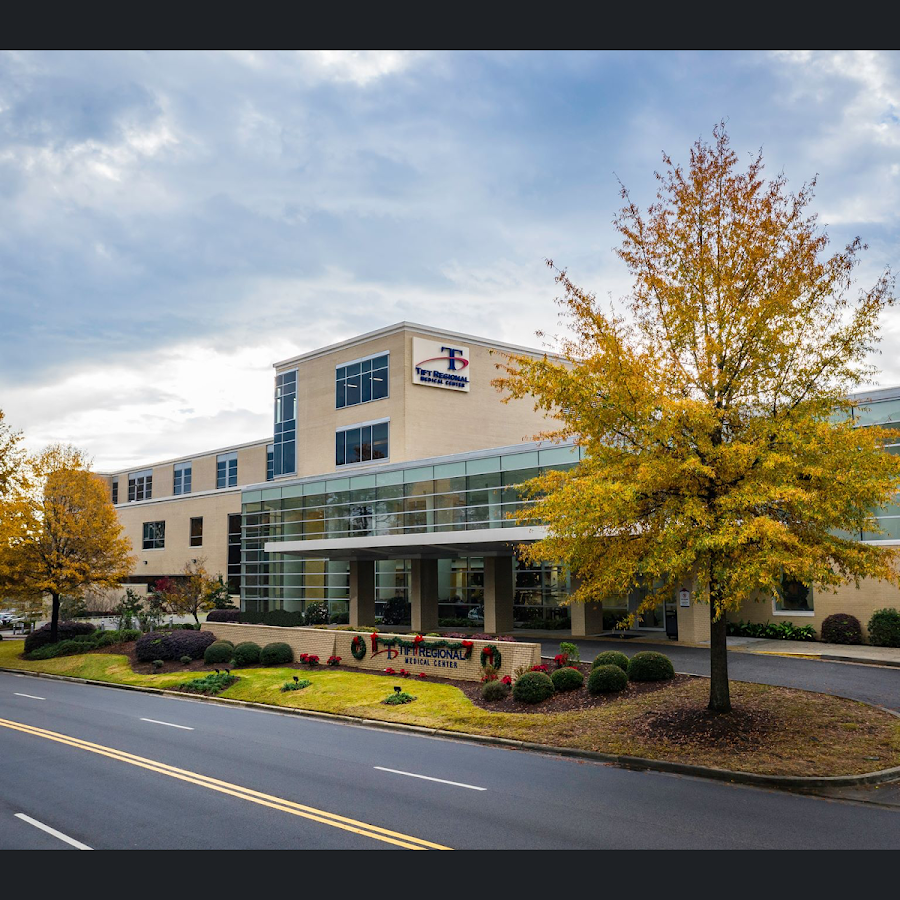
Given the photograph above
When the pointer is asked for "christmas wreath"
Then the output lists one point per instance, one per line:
(358, 648)
(490, 656)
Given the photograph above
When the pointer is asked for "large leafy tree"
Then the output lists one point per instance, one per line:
(59, 533)
(713, 404)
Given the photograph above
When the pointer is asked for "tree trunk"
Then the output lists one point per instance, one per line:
(719, 694)
(54, 620)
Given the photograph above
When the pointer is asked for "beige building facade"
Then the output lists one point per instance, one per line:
(384, 493)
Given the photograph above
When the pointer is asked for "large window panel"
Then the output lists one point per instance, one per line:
(361, 381)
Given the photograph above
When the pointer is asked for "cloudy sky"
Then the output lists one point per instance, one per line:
(175, 222)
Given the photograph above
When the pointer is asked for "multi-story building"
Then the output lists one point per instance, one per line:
(385, 488)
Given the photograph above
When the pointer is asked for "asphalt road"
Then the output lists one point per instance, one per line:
(306, 773)
(872, 684)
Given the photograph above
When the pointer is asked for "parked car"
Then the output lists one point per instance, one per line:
(476, 614)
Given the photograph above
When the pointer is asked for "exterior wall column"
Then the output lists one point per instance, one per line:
(693, 620)
(499, 588)
(423, 594)
(587, 618)
(362, 592)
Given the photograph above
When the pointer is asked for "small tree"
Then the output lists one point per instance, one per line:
(129, 608)
(218, 594)
(714, 410)
(193, 592)
(59, 533)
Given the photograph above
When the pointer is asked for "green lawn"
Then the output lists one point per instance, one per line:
(804, 734)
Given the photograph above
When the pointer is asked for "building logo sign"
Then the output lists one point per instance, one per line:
(440, 364)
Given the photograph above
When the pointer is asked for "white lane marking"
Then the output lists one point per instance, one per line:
(57, 834)
(29, 696)
(471, 787)
(170, 724)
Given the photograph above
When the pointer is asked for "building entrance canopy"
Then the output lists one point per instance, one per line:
(487, 542)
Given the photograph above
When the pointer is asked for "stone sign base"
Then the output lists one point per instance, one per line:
(440, 657)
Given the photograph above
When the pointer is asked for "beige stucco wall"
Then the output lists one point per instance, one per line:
(860, 602)
(325, 643)
(177, 512)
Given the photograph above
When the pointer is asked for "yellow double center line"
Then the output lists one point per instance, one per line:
(235, 790)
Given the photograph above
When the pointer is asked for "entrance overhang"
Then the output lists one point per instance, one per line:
(427, 545)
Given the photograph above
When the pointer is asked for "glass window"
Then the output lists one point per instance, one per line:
(115, 491)
(226, 470)
(361, 381)
(361, 443)
(140, 485)
(793, 596)
(154, 535)
(270, 462)
(197, 531)
(234, 553)
(284, 450)
(182, 478)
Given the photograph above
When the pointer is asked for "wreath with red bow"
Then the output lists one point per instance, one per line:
(358, 648)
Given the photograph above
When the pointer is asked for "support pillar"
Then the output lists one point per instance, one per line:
(423, 594)
(499, 588)
(362, 592)
(587, 618)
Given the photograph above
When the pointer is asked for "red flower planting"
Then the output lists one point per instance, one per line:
(390, 671)
(562, 660)
(540, 668)
(334, 660)
(506, 679)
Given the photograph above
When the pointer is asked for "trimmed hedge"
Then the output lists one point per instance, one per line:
(65, 632)
(246, 654)
(611, 658)
(61, 648)
(218, 652)
(884, 628)
(173, 645)
(224, 615)
(494, 690)
(567, 679)
(532, 687)
(606, 680)
(276, 654)
(841, 628)
(650, 666)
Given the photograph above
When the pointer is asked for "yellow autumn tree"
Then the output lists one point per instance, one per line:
(59, 533)
(713, 404)
(192, 592)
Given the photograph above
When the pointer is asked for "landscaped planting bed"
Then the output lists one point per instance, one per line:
(773, 730)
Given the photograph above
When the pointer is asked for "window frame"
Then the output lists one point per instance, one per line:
(186, 473)
(227, 458)
(353, 362)
(191, 535)
(359, 426)
(157, 537)
(143, 479)
(794, 612)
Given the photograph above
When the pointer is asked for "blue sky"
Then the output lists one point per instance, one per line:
(175, 222)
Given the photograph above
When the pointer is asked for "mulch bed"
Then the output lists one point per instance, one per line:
(747, 727)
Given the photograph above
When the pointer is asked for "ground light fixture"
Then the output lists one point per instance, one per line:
(397, 689)
(296, 678)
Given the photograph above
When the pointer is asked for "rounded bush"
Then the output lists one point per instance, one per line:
(158, 664)
(316, 614)
(173, 645)
(841, 628)
(650, 666)
(218, 652)
(494, 690)
(567, 679)
(223, 615)
(606, 680)
(246, 654)
(276, 654)
(532, 687)
(884, 628)
(65, 632)
(611, 658)
(185, 660)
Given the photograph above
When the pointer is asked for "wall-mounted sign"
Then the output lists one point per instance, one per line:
(441, 364)
(684, 597)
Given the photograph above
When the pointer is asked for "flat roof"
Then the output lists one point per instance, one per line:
(412, 326)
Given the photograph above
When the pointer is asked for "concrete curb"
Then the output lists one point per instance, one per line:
(626, 762)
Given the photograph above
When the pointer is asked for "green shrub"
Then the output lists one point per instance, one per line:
(884, 628)
(571, 651)
(396, 699)
(186, 660)
(316, 614)
(219, 652)
(650, 666)
(296, 685)
(532, 687)
(276, 654)
(214, 683)
(494, 690)
(841, 628)
(567, 679)
(63, 648)
(606, 680)
(611, 658)
(246, 654)
(157, 664)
